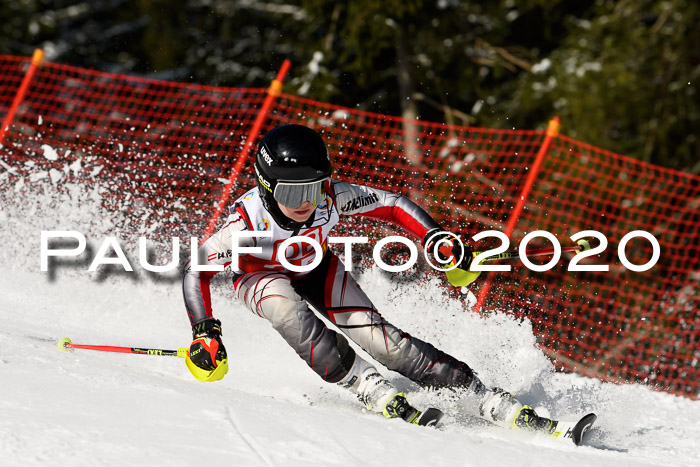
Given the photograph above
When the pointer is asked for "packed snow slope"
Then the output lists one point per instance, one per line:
(94, 408)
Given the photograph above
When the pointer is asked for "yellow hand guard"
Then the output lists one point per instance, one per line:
(206, 375)
(459, 277)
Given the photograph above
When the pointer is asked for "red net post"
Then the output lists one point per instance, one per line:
(273, 92)
(552, 132)
(36, 62)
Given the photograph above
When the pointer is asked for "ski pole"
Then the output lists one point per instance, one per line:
(583, 245)
(66, 345)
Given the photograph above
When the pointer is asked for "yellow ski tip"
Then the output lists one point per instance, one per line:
(62, 342)
(205, 375)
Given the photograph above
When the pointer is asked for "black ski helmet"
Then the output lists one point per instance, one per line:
(293, 154)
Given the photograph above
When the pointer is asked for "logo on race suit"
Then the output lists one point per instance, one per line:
(219, 255)
(265, 155)
(301, 253)
(248, 195)
(359, 202)
(264, 224)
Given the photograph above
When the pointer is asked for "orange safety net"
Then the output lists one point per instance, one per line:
(163, 152)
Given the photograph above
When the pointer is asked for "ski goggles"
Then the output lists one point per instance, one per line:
(293, 195)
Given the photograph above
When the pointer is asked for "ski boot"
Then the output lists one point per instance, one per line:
(527, 419)
(378, 395)
(574, 430)
(398, 406)
(371, 388)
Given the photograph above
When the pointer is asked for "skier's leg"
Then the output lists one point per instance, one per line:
(346, 305)
(349, 308)
(271, 296)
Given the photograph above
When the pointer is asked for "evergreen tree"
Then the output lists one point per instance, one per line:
(625, 79)
(622, 75)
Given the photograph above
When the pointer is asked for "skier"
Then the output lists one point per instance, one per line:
(296, 196)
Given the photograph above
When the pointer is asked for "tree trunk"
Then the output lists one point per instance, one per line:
(409, 111)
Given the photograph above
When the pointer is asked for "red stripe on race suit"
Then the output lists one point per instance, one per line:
(241, 210)
(345, 283)
(398, 216)
(333, 311)
(386, 339)
(311, 362)
(330, 280)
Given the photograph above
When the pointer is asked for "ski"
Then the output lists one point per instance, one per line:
(560, 430)
(431, 417)
(575, 431)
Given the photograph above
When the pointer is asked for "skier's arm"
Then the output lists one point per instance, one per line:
(361, 200)
(216, 251)
(354, 199)
(208, 360)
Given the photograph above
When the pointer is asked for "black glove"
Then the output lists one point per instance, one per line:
(450, 249)
(207, 349)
